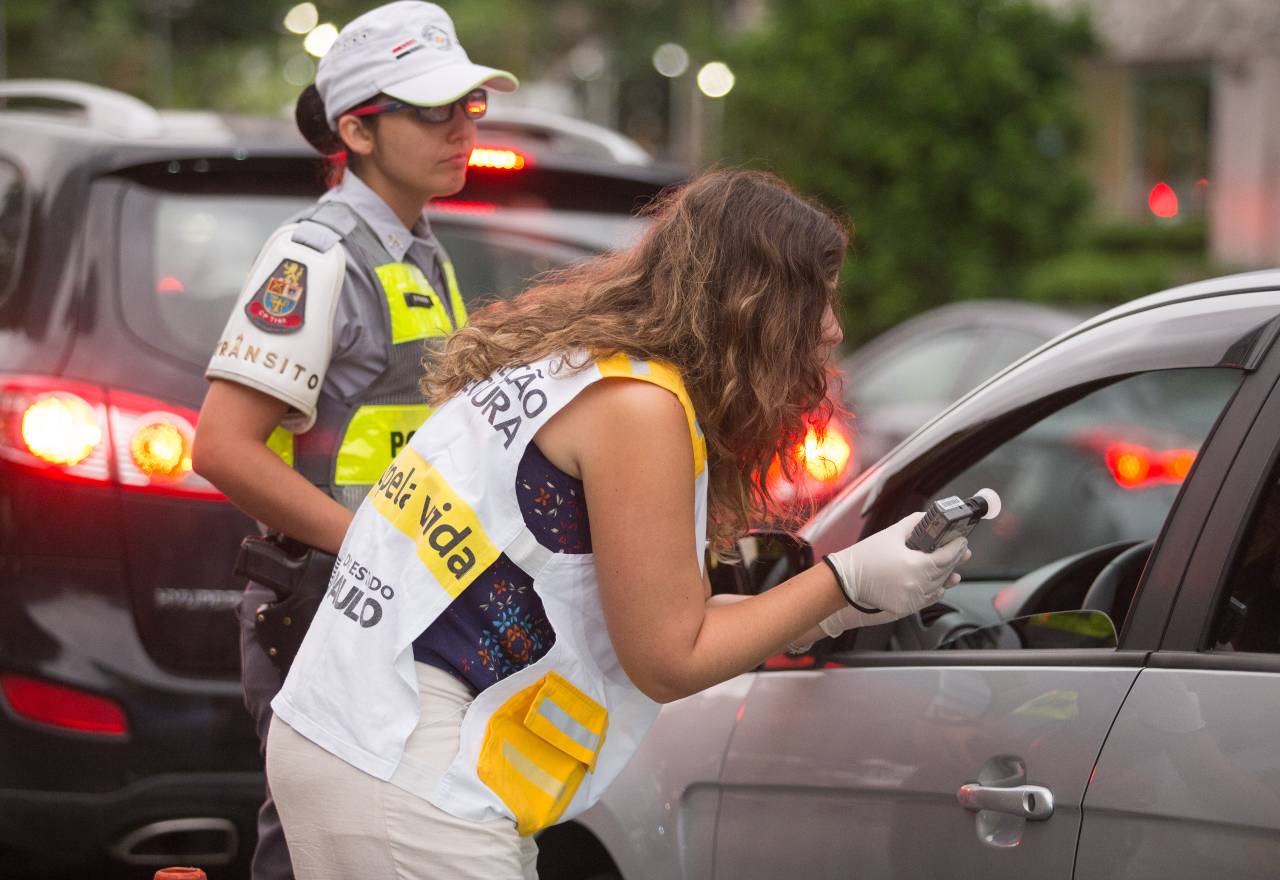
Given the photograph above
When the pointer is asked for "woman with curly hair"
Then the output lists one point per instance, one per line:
(525, 584)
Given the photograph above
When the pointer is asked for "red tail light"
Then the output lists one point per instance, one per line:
(821, 463)
(1135, 467)
(497, 158)
(76, 431)
(825, 456)
(64, 707)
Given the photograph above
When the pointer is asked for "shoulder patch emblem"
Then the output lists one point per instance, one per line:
(280, 304)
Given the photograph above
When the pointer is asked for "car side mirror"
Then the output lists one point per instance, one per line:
(766, 559)
(1054, 630)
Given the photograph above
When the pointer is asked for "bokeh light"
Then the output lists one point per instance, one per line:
(320, 40)
(1163, 201)
(302, 18)
(715, 79)
(671, 60)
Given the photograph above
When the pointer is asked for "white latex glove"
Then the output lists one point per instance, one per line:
(888, 579)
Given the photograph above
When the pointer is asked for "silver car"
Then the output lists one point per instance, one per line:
(1100, 697)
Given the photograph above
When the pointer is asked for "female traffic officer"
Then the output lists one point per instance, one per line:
(523, 585)
(320, 360)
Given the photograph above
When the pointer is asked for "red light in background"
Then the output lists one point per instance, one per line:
(497, 158)
(1163, 201)
(820, 464)
(1133, 466)
(170, 284)
(462, 206)
(76, 431)
(827, 457)
(58, 706)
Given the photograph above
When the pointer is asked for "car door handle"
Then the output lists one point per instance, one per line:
(1034, 802)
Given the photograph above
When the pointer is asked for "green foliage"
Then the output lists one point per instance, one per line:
(1116, 262)
(946, 131)
(1188, 239)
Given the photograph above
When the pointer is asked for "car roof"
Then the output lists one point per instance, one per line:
(1166, 330)
(1040, 320)
(1241, 282)
(115, 130)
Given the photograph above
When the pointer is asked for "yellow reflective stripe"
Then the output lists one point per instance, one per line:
(281, 443)
(551, 786)
(374, 436)
(417, 500)
(455, 295)
(664, 376)
(412, 322)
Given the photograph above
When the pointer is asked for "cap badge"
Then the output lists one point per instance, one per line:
(437, 38)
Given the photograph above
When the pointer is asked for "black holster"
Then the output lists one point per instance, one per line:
(299, 575)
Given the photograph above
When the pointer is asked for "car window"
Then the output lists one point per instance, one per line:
(203, 247)
(13, 225)
(922, 373)
(1249, 618)
(496, 264)
(1103, 469)
(183, 273)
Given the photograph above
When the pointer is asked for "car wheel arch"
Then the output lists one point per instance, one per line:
(571, 851)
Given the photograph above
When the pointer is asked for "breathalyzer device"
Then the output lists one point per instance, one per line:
(951, 518)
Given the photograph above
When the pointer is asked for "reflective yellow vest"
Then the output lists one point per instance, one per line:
(542, 744)
(352, 441)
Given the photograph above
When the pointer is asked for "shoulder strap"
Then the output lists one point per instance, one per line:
(664, 376)
(324, 224)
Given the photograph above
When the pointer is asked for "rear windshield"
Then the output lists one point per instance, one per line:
(186, 255)
(13, 225)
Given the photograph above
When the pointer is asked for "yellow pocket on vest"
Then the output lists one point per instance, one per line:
(537, 748)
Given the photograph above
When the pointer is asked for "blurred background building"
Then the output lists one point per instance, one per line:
(1185, 95)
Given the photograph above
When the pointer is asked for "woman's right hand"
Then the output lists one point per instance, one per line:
(882, 572)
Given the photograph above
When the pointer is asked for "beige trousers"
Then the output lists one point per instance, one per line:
(341, 823)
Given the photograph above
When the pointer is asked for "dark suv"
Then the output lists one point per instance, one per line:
(125, 235)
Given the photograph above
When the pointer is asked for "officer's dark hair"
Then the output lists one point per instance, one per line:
(310, 116)
(312, 122)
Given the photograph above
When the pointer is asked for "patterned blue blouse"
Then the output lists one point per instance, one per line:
(497, 625)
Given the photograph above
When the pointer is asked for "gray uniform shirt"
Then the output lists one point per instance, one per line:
(360, 330)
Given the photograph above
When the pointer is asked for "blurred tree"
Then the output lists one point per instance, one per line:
(946, 131)
(235, 55)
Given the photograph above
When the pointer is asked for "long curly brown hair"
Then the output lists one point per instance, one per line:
(730, 285)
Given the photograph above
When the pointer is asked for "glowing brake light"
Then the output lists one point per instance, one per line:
(1133, 466)
(497, 158)
(162, 448)
(58, 706)
(825, 457)
(75, 431)
(60, 428)
(821, 464)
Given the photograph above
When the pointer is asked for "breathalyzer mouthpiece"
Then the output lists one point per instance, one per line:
(987, 502)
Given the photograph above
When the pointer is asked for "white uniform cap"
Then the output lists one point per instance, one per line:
(407, 50)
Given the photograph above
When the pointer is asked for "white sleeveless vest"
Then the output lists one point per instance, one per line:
(542, 744)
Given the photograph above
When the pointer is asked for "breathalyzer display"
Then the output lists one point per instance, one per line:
(951, 518)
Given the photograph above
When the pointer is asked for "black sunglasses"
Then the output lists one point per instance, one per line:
(475, 104)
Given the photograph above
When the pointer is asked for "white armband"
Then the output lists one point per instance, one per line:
(280, 334)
